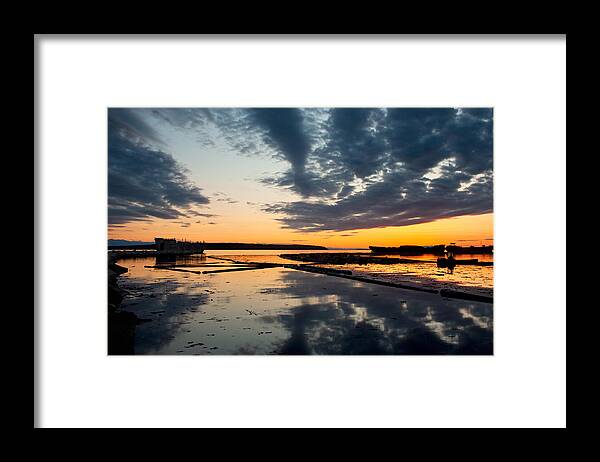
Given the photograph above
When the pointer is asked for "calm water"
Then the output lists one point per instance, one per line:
(476, 279)
(284, 311)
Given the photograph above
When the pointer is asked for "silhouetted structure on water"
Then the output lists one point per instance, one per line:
(473, 249)
(174, 247)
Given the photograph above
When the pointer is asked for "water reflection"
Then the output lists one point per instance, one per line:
(478, 279)
(365, 319)
(282, 311)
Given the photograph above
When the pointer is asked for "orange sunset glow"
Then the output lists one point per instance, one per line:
(470, 230)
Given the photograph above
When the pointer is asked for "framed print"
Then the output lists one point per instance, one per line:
(290, 231)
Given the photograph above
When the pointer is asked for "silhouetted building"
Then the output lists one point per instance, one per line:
(174, 247)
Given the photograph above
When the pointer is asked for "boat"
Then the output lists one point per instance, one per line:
(446, 262)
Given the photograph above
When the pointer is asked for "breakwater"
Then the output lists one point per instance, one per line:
(365, 259)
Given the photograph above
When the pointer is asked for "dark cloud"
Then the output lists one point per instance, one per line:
(399, 167)
(205, 215)
(360, 168)
(127, 123)
(284, 131)
(355, 142)
(222, 197)
(394, 201)
(144, 182)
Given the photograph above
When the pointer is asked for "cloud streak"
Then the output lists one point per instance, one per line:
(144, 182)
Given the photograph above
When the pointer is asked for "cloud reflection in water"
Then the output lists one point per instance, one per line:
(281, 311)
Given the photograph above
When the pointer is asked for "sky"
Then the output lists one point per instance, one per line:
(337, 177)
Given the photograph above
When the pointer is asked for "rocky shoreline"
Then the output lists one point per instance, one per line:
(121, 324)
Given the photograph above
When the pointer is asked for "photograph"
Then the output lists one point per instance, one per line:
(300, 231)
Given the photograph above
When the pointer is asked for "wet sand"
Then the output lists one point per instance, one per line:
(285, 311)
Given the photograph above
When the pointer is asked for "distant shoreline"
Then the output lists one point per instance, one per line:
(225, 246)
